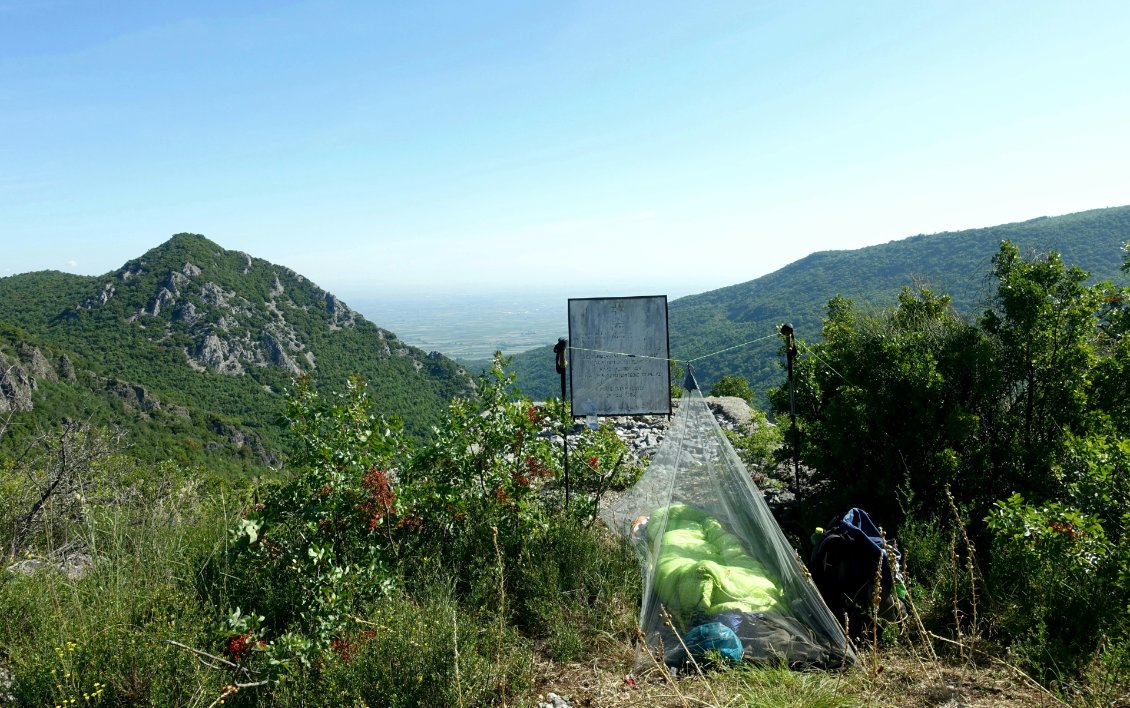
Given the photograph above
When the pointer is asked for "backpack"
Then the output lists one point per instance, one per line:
(843, 565)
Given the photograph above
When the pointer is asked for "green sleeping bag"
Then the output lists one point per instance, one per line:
(703, 569)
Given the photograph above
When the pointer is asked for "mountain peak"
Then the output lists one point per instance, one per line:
(186, 239)
(182, 246)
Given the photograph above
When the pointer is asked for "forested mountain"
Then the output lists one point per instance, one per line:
(192, 346)
(956, 263)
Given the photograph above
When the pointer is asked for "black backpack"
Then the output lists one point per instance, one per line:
(845, 560)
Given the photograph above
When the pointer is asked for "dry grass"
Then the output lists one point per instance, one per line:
(899, 678)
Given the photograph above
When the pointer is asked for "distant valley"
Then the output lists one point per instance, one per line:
(470, 327)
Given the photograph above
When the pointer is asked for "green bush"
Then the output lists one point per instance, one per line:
(321, 545)
(1061, 569)
(759, 445)
(370, 518)
(1018, 421)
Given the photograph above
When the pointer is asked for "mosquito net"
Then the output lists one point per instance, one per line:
(719, 573)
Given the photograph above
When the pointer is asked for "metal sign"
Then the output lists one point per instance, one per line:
(618, 353)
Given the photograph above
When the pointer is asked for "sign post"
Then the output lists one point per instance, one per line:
(619, 355)
(620, 352)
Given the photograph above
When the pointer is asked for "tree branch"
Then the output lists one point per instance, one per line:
(202, 655)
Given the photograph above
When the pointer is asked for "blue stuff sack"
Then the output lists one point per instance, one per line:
(709, 637)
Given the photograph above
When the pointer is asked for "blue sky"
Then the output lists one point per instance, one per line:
(599, 148)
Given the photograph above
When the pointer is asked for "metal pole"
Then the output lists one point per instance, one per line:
(559, 349)
(790, 356)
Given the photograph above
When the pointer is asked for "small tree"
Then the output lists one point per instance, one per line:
(323, 543)
(758, 445)
(51, 482)
(888, 405)
(1042, 327)
(733, 385)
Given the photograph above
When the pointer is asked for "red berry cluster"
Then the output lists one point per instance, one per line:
(347, 645)
(238, 645)
(1065, 529)
(379, 497)
(343, 648)
(412, 523)
(537, 468)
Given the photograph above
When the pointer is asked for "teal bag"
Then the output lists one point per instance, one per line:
(709, 637)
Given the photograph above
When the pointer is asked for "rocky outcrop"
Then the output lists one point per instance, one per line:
(215, 353)
(100, 299)
(36, 364)
(164, 296)
(135, 397)
(733, 413)
(73, 566)
(235, 437)
(238, 438)
(187, 314)
(15, 387)
(19, 377)
(129, 271)
(280, 358)
(65, 368)
(225, 300)
(173, 281)
(340, 314)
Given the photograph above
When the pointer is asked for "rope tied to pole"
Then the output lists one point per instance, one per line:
(631, 355)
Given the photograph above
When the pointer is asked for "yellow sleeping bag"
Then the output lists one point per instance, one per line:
(702, 569)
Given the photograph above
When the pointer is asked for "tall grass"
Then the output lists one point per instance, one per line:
(102, 637)
(160, 573)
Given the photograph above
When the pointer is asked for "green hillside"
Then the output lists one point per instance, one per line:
(957, 263)
(213, 338)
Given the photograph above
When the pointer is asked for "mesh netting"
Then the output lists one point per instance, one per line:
(718, 570)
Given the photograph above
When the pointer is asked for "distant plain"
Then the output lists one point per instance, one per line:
(470, 327)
